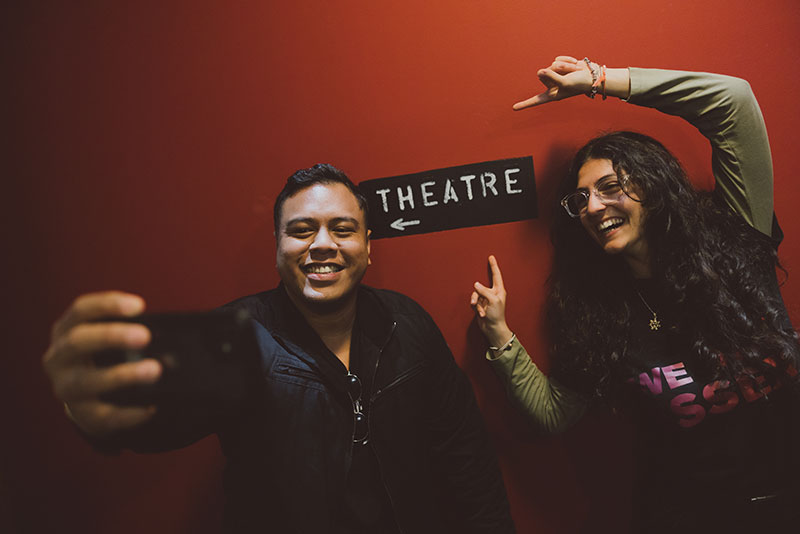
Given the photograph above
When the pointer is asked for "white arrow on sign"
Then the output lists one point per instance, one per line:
(399, 224)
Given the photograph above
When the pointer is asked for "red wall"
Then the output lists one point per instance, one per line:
(146, 143)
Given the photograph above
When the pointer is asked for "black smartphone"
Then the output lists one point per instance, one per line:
(210, 361)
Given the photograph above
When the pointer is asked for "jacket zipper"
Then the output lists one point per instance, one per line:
(399, 380)
(380, 353)
(377, 457)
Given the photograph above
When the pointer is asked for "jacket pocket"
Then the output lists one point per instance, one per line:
(405, 376)
(290, 372)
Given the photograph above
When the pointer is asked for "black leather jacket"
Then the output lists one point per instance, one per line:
(289, 455)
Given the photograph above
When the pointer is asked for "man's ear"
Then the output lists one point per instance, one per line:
(275, 235)
(369, 260)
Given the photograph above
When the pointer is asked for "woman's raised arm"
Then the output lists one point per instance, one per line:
(722, 108)
(725, 111)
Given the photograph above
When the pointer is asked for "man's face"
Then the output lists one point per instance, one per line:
(323, 247)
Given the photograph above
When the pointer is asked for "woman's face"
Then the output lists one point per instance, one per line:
(618, 227)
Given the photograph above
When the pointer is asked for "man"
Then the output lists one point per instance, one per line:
(363, 422)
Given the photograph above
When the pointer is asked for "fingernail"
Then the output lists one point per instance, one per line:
(131, 305)
(148, 369)
(137, 335)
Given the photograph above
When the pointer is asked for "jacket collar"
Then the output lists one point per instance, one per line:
(375, 320)
(290, 328)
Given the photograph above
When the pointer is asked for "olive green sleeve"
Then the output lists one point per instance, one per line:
(550, 406)
(726, 112)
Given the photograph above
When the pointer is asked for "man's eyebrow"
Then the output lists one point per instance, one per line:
(312, 221)
(300, 220)
(351, 220)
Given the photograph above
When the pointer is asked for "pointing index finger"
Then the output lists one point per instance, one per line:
(496, 275)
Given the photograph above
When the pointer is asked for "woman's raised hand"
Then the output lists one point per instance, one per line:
(489, 304)
(564, 78)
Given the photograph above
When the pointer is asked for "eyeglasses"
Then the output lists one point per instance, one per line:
(607, 191)
(360, 428)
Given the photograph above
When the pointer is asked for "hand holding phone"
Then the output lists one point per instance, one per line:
(209, 360)
(78, 383)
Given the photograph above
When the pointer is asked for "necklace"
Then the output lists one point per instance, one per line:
(655, 324)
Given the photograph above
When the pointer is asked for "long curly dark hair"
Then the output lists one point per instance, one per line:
(716, 273)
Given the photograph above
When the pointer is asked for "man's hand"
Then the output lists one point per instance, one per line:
(78, 382)
(489, 304)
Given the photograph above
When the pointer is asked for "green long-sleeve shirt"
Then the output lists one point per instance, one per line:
(725, 111)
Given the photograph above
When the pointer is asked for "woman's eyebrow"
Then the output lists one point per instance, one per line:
(607, 176)
(604, 177)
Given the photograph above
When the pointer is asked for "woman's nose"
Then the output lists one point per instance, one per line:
(593, 204)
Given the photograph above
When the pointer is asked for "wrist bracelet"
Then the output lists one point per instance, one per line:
(593, 90)
(604, 82)
(505, 346)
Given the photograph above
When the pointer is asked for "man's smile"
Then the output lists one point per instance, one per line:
(321, 268)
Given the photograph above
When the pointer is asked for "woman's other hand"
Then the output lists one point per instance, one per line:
(568, 76)
(564, 78)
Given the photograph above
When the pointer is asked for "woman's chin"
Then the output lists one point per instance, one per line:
(612, 248)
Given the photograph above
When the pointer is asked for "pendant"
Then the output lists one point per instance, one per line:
(655, 324)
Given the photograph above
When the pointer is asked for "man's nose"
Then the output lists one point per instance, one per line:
(323, 240)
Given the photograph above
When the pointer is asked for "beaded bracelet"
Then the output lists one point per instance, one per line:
(600, 82)
(593, 70)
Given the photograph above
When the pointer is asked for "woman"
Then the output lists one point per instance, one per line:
(663, 301)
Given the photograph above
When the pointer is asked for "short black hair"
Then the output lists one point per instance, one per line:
(321, 173)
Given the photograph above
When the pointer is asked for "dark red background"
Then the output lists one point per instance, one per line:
(145, 142)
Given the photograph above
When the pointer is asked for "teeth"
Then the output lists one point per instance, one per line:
(323, 269)
(608, 223)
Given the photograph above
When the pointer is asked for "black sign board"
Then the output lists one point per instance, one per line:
(477, 194)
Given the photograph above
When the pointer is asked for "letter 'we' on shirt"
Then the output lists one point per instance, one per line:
(690, 402)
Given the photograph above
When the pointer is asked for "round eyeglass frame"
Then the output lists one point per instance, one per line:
(624, 182)
(360, 426)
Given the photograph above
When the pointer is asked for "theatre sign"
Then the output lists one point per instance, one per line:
(477, 194)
